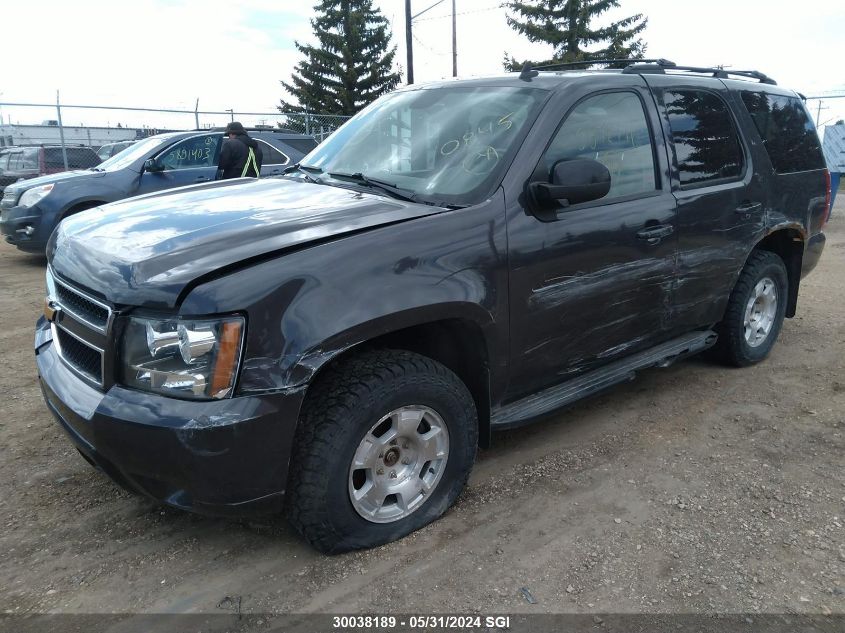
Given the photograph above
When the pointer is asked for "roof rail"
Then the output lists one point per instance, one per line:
(591, 62)
(646, 67)
(657, 66)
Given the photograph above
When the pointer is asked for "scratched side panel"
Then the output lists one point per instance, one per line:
(585, 289)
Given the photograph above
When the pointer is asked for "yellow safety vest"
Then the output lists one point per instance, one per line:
(251, 159)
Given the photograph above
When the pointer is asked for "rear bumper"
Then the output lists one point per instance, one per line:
(22, 227)
(225, 457)
(812, 253)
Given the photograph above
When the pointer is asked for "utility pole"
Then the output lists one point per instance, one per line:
(454, 43)
(409, 42)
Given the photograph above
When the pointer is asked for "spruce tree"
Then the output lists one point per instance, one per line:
(350, 67)
(565, 24)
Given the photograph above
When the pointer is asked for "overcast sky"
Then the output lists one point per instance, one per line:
(155, 53)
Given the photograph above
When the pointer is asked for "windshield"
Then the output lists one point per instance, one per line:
(447, 145)
(132, 153)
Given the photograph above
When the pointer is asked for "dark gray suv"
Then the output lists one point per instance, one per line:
(458, 258)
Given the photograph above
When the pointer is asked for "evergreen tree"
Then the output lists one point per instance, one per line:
(352, 65)
(565, 24)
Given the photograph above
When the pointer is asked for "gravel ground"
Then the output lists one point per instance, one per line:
(692, 489)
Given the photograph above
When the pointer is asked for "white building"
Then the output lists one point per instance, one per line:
(74, 135)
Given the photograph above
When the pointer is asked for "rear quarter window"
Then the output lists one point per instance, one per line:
(787, 131)
(303, 145)
(270, 155)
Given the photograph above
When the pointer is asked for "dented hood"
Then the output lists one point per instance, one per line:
(146, 250)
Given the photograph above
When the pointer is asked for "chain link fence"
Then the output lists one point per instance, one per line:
(70, 126)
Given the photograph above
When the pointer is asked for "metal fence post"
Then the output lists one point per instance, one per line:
(61, 130)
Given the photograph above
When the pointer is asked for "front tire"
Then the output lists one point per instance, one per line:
(385, 444)
(755, 311)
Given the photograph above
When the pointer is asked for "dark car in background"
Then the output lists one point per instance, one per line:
(32, 209)
(24, 162)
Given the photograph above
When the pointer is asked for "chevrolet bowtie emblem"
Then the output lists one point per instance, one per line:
(50, 311)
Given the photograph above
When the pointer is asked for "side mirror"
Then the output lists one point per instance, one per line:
(152, 165)
(572, 182)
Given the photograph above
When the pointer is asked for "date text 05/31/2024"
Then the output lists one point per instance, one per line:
(420, 621)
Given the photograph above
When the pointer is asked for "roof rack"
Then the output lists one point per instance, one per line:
(660, 61)
(652, 66)
(656, 67)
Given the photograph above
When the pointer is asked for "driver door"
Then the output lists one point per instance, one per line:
(190, 161)
(592, 282)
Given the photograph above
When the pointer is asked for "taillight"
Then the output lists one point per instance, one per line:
(827, 196)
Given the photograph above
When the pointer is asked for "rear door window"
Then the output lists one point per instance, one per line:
(270, 155)
(787, 131)
(707, 147)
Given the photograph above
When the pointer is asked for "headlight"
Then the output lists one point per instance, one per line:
(185, 358)
(34, 195)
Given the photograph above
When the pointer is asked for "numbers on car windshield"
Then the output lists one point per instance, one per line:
(199, 151)
(481, 158)
(193, 153)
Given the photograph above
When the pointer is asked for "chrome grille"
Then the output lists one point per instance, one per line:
(80, 356)
(79, 329)
(92, 313)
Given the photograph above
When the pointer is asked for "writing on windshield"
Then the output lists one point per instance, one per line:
(448, 143)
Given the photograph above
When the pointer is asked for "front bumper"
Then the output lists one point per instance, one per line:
(224, 457)
(21, 226)
(812, 253)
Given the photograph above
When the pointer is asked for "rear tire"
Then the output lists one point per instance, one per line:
(755, 311)
(411, 427)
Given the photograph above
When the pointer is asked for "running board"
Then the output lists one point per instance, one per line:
(538, 404)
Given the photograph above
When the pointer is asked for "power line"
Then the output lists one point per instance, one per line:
(449, 15)
(414, 17)
(428, 48)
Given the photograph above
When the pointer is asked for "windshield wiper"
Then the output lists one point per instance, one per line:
(96, 169)
(374, 183)
(304, 170)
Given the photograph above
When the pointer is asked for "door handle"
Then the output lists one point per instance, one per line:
(748, 207)
(203, 178)
(654, 234)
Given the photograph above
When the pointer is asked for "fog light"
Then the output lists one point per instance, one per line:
(28, 230)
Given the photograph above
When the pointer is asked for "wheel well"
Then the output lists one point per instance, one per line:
(89, 204)
(789, 246)
(456, 343)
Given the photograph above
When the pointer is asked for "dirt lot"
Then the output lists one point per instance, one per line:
(692, 489)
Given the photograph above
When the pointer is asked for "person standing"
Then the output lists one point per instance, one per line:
(240, 156)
